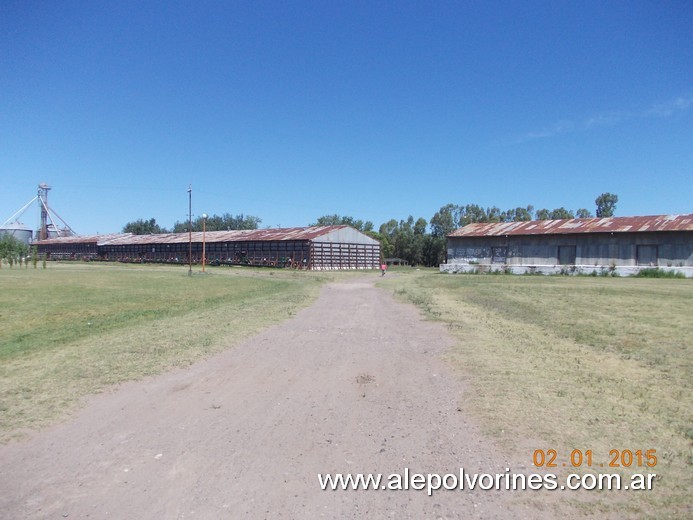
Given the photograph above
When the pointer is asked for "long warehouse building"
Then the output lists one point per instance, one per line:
(315, 248)
(622, 245)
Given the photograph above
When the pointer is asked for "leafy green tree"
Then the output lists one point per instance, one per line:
(434, 250)
(583, 213)
(389, 230)
(606, 204)
(472, 214)
(561, 213)
(419, 241)
(494, 214)
(444, 222)
(336, 220)
(328, 220)
(543, 214)
(143, 227)
(405, 239)
(523, 214)
(225, 222)
(387, 248)
(11, 249)
(420, 226)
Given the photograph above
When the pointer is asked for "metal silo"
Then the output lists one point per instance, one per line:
(17, 230)
(52, 231)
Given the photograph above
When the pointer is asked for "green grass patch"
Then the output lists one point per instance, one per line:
(73, 329)
(659, 273)
(576, 363)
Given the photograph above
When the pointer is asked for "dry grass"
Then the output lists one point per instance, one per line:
(74, 329)
(577, 363)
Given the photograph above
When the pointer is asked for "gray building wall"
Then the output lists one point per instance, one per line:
(661, 249)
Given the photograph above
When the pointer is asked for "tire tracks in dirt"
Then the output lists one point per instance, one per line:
(353, 383)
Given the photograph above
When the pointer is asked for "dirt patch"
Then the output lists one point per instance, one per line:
(353, 384)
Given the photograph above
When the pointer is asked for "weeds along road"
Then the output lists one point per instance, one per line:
(353, 384)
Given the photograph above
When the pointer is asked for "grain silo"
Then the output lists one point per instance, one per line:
(49, 221)
(17, 230)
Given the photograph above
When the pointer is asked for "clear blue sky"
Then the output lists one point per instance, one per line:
(289, 110)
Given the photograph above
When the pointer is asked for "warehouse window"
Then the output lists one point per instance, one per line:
(646, 255)
(566, 255)
(499, 255)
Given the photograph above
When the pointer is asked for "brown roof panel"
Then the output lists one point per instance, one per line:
(579, 225)
(82, 239)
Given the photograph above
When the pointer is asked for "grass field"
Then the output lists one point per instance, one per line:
(73, 329)
(581, 363)
(558, 363)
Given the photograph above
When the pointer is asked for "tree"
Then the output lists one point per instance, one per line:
(606, 204)
(223, 222)
(561, 213)
(389, 229)
(388, 232)
(143, 227)
(434, 250)
(420, 226)
(583, 213)
(419, 241)
(336, 220)
(227, 222)
(523, 214)
(12, 249)
(471, 214)
(543, 214)
(493, 214)
(443, 222)
(406, 239)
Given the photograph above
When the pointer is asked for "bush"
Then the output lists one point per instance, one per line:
(659, 273)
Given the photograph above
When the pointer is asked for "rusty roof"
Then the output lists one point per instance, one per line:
(238, 235)
(654, 223)
(82, 239)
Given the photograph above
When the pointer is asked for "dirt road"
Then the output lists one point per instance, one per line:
(354, 383)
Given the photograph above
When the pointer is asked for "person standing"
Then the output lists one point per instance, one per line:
(383, 268)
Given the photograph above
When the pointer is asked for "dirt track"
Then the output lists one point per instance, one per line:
(352, 384)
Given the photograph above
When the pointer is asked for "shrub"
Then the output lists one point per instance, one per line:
(654, 272)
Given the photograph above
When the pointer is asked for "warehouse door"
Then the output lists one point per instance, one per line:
(566, 255)
(646, 255)
(499, 255)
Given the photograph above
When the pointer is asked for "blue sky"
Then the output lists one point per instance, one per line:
(378, 110)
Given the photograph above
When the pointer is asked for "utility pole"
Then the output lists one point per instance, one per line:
(204, 234)
(190, 230)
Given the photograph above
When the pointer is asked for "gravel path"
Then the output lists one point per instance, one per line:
(354, 383)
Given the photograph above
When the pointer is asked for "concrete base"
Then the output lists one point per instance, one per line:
(603, 270)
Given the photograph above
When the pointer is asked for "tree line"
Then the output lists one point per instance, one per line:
(419, 242)
(225, 222)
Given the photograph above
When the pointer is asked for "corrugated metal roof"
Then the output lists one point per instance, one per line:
(239, 235)
(82, 239)
(653, 223)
